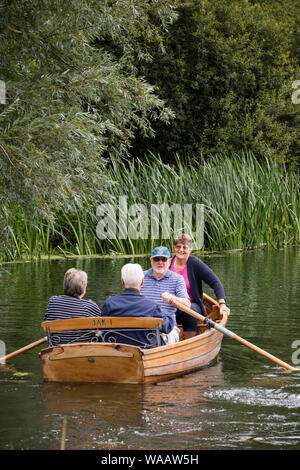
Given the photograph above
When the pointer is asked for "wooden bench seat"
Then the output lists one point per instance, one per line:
(100, 323)
(117, 328)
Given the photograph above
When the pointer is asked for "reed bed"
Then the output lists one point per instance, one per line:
(246, 204)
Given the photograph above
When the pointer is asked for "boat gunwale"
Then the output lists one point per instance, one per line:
(148, 351)
(182, 361)
(195, 339)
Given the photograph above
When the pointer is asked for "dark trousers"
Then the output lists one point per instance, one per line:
(188, 322)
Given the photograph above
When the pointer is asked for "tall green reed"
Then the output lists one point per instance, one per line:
(247, 204)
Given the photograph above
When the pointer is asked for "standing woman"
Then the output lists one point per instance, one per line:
(194, 271)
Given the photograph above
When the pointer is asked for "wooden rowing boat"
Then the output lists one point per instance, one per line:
(121, 363)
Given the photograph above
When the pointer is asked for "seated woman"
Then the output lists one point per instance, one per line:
(72, 305)
(131, 303)
(194, 271)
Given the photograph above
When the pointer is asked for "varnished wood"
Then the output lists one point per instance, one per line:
(265, 353)
(92, 362)
(120, 363)
(94, 323)
(214, 312)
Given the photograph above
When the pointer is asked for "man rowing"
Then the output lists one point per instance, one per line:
(161, 285)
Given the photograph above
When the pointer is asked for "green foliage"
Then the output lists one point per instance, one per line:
(227, 73)
(92, 83)
(247, 205)
(70, 103)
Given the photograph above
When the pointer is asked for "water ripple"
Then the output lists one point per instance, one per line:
(257, 396)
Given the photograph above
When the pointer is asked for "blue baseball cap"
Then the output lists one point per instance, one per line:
(160, 251)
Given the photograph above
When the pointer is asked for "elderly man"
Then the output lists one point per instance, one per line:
(161, 285)
(130, 303)
(72, 305)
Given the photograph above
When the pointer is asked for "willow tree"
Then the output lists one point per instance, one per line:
(72, 100)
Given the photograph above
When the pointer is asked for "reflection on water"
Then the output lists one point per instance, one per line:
(244, 401)
(124, 404)
(108, 413)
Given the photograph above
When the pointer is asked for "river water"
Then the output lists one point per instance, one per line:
(242, 402)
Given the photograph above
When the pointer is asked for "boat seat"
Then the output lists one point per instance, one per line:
(106, 328)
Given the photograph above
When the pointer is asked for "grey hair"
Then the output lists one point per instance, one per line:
(184, 239)
(132, 275)
(75, 282)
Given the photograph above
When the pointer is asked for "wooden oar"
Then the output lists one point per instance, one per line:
(25, 348)
(232, 335)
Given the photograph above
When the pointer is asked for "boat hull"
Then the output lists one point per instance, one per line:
(120, 363)
(181, 358)
(92, 362)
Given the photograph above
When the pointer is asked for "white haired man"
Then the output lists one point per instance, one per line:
(130, 303)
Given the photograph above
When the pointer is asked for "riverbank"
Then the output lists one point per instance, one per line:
(227, 202)
(115, 256)
(199, 254)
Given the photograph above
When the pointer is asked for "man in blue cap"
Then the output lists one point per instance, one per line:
(161, 285)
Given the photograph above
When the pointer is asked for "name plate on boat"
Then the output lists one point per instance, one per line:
(94, 323)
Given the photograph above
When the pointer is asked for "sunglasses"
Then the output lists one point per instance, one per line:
(160, 259)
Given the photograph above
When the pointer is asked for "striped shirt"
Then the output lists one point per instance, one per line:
(171, 282)
(62, 307)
